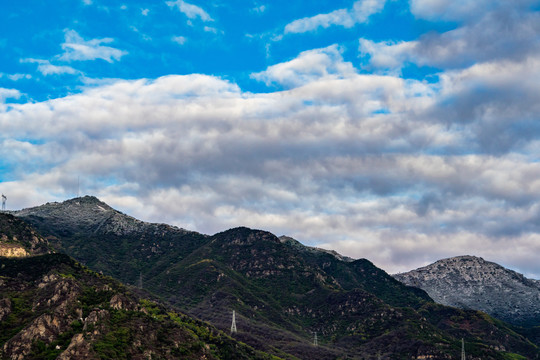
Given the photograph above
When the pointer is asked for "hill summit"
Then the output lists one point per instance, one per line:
(470, 282)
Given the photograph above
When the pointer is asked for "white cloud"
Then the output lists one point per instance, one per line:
(145, 12)
(46, 68)
(461, 9)
(362, 10)
(87, 2)
(360, 13)
(190, 10)
(340, 17)
(387, 54)
(78, 49)
(9, 93)
(211, 29)
(181, 40)
(308, 66)
(259, 9)
(16, 77)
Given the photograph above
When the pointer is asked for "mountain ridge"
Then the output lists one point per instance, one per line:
(282, 291)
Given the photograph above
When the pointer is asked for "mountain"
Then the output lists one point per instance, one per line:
(282, 291)
(52, 307)
(109, 241)
(470, 282)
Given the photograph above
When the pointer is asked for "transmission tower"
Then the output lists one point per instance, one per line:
(233, 325)
(4, 198)
(139, 283)
(463, 357)
(315, 341)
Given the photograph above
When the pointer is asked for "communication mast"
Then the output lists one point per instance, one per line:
(4, 198)
(315, 341)
(233, 325)
(463, 357)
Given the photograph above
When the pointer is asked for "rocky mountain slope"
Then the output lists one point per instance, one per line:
(470, 282)
(18, 239)
(52, 307)
(283, 292)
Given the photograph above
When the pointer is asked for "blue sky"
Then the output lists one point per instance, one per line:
(399, 131)
(44, 47)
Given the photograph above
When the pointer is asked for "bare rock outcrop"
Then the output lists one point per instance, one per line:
(470, 282)
(45, 328)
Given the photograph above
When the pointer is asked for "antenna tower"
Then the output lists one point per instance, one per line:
(233, 325)
(315, 341)
(4, 198)
(463, 357)
(78, 186)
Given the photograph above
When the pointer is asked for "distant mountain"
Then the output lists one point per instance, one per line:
(470, 282)
(282, 291)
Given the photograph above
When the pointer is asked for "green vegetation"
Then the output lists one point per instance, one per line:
(510, 356)
(112, 333)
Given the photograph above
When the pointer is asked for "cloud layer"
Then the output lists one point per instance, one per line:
(341, 152)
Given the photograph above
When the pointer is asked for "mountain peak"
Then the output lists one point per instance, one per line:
(83, 214)
(471, 282)
(86, 200)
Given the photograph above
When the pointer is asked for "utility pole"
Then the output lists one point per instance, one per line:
(463, 357)
(315, 341)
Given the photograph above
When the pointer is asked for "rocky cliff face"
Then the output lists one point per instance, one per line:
(470, 282)
(18, 239)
